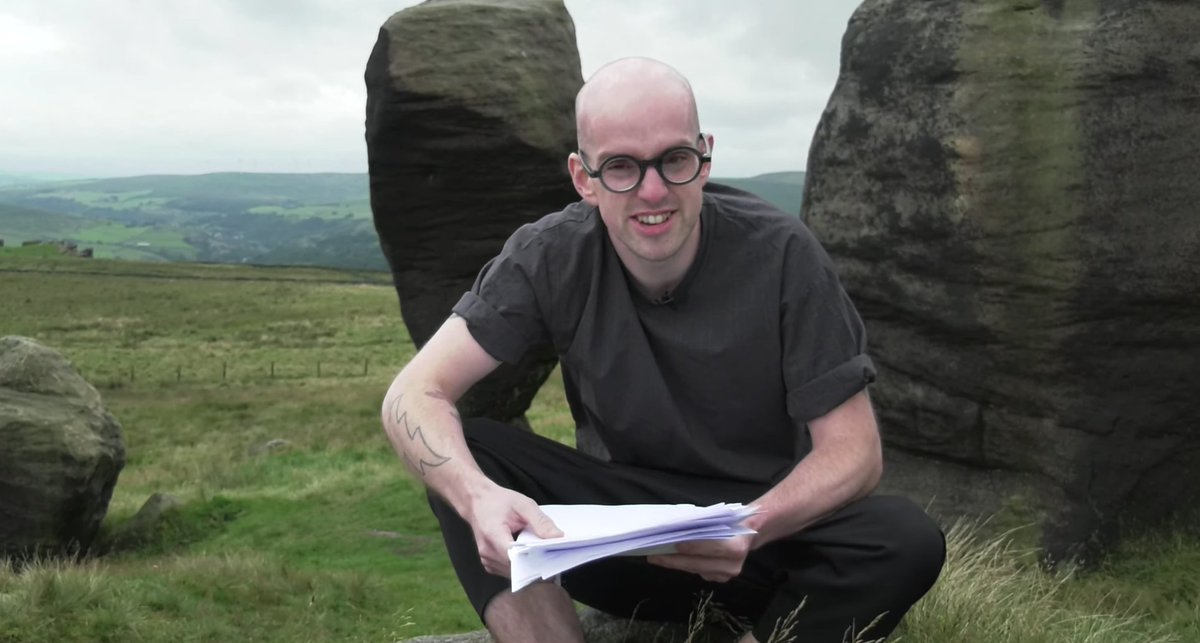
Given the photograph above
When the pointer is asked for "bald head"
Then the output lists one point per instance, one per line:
(626, 90)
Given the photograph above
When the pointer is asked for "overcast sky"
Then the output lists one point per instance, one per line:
(125, 87)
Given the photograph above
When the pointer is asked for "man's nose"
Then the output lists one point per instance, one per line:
(653, 188)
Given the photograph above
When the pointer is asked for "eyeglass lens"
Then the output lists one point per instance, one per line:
(623, 173)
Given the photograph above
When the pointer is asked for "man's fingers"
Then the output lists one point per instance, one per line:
(703, 547)
(495, 542)
(707, 567)
(539, 522)
(496, 566)
(493, 552)
(716, 547)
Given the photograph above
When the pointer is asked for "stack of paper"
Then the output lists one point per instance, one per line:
(592, 532)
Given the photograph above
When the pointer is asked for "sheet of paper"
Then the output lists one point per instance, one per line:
(592, 532)
(585, 524)
(546, 564)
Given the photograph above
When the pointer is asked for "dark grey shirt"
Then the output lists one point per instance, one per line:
(720, 381)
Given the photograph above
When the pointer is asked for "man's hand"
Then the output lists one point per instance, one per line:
(714, 560)
(496, 516)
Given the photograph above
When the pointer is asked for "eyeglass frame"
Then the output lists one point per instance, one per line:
(656, 163)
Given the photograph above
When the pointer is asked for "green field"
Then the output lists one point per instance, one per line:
(108, 239)
(326, 538)
(352, 210)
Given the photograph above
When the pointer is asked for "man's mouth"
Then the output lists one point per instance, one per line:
(652, 219)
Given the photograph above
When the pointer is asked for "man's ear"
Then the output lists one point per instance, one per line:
(583, 183)
(707, 167)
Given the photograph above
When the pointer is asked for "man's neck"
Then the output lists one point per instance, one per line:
(659, 286)
(657, 280)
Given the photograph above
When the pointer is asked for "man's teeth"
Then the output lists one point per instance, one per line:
(653, 219)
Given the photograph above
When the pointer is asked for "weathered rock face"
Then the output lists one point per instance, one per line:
(599, 627)
(470, 118)
(61, 453)
(1009, 189)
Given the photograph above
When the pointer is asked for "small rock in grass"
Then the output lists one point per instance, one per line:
(278, 444)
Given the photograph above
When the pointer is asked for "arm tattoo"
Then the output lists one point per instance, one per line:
(427, 460)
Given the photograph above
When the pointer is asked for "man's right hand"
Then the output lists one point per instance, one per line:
(496, 515)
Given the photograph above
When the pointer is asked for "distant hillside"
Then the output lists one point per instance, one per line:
(14, 180)
(20, 223)
(784, 189)
(108, 239)
(303, 219)
(269, 219)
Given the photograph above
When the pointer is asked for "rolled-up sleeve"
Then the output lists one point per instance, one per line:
(830, 389)
(825, 359)
(502, 308)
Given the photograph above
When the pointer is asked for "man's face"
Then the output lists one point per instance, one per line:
(655, 224)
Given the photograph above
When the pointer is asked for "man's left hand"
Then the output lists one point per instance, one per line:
(713, 560)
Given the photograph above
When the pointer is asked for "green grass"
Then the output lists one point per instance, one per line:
(991, 593)
(331, 515)
(326, 537)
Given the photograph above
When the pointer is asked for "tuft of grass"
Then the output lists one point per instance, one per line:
(195, 598)
(989, 593)
(1155, 574)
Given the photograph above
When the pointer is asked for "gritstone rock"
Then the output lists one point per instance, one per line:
(470, 118)
(1009, 191)
(61, 457)
(148, 522)
(274, 445)
(599, 627)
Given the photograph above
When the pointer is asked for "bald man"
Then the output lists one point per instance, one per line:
(709, 354)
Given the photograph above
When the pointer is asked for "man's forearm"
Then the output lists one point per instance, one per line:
(844, 465)
(426, 431)
(818, 485)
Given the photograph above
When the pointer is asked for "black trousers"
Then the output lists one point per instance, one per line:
(872, 559)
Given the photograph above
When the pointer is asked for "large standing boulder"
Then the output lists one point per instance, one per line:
(1009, 189)
(61, 453)
(470, 118)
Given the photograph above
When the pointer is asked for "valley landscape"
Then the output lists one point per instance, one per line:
(262, 219)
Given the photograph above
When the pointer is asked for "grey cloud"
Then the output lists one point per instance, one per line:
(275, 85)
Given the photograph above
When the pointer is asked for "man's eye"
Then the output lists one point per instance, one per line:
(620, 165)
(677, 157)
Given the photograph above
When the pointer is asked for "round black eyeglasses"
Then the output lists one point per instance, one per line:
(677, 166)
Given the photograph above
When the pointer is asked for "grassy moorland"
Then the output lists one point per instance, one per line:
(323, 537)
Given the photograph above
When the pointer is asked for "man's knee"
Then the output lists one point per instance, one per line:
(915, 548)
(490, 443)
(482, 428)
